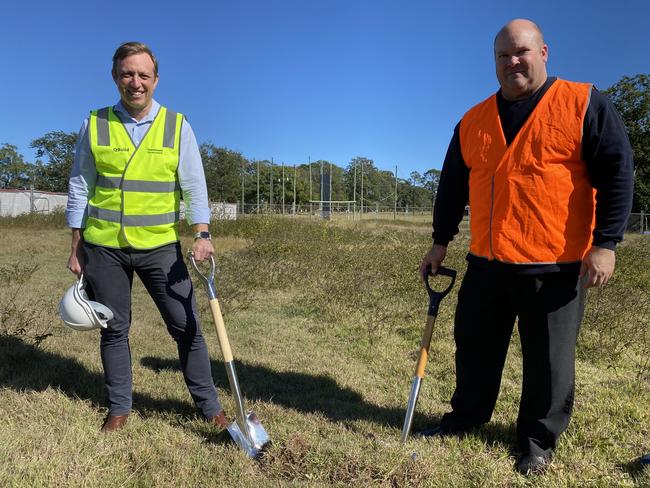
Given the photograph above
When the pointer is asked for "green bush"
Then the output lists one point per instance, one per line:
(20, 315)
(365, 280)
(55, 219)
(617, 317)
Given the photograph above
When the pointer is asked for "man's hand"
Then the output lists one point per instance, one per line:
(597, 267)
(76, 260)
(202, 249)
(433, 258)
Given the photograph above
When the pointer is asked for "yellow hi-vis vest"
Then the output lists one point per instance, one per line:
(136, 201)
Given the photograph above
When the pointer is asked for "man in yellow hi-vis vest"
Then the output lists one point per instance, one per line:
(132, 161)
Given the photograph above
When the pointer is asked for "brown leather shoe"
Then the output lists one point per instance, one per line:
(219, 420)
(114, 422)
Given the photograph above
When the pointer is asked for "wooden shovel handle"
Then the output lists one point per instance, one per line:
(224, 343)
(424, 347)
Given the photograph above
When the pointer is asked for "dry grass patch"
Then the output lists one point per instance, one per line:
(324, 320)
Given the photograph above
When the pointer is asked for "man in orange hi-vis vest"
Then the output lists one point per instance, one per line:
(547, 169)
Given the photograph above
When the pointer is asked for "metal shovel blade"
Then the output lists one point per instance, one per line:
(252, 438)
(410, 408)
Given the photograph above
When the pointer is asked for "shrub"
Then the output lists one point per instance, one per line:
(20, 315)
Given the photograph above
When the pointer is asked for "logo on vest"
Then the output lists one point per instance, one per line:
(121, 149)
(151, 150)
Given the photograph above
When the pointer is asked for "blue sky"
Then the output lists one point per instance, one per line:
(290, 79)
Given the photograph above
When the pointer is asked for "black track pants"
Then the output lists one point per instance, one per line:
(549, 308)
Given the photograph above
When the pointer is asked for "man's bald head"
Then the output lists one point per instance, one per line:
(519, 24)
(520, 56)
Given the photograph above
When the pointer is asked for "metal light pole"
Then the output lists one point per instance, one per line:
(271, 187)
(258, 186)
(311, 205)
(395, 207)
(320, 205)
(354, 192)
(294, 190)
(282, 187)
(242, 186)
(361, 214)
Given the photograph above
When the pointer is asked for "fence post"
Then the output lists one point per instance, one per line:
(642, 224)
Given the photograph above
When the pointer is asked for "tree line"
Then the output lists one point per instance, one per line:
(231, 176)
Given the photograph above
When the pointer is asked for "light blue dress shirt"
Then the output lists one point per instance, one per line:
(190, 170)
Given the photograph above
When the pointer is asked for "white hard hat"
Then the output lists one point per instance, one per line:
(80, 313)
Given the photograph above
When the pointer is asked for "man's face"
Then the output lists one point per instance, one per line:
(136, 82)
(520, 57)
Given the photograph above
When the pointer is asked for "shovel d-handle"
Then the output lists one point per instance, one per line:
(435, 297)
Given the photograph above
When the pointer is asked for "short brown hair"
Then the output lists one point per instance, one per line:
(130, 48)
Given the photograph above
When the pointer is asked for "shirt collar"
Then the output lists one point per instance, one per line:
(155, 107)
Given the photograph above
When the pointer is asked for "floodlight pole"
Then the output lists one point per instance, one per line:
(311, 205)
(354, 192)
(331, 188)
(395, 207)
(282, 187)
(271, 188)
(294, 189)
(361, 214)
(258, 186)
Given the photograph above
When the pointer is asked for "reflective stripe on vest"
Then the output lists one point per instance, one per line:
(531, 202)
(136, 202)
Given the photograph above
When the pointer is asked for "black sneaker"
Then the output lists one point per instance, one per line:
(531, 464)
(435, 431)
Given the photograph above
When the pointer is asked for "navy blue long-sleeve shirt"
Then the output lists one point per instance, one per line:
(605, 149)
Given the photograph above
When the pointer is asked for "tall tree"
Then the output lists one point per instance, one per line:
(14, 171)
(430, 181)
(58, 147)
(223, 170)
(631, 96)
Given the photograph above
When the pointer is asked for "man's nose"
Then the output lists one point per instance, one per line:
(513, 60)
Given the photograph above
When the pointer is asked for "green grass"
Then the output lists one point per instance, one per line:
(324, 321)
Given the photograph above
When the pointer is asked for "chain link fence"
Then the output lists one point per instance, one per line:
(338, 211)
(637, 222)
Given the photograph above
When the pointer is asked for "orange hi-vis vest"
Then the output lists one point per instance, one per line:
(531, 202)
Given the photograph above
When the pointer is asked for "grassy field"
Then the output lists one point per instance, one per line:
(325, 321)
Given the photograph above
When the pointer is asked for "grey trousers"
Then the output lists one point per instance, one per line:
(550, 308)
(109, 272)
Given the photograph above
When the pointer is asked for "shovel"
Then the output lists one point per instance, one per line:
(246, 430)
(435, 297)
